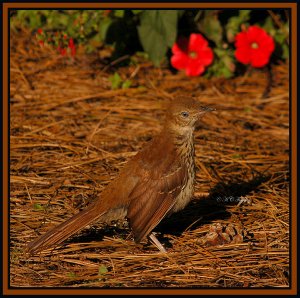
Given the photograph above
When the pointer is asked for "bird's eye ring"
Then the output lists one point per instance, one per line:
(185, 114)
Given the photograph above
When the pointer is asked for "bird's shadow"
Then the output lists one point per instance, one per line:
(98, 232)
(207, 209)
(198, 212)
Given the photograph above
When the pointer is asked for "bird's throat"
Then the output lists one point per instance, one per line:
(184, 144)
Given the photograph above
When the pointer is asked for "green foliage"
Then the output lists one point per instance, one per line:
(223, 65)
(119, 13)
(157, 32)
(126, 84)
(154, 32)
(71, 274)
(37, 206)
(280, 35)
(211, 27)
(117, 82)
(102, 270)
(233, 25)
(137, 11)
(83, 25)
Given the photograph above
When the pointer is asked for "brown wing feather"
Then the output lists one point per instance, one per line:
(65, 229)
(153, 198)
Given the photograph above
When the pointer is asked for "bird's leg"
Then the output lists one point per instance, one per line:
(155, 241)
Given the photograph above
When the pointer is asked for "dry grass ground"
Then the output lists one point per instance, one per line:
(70, 134)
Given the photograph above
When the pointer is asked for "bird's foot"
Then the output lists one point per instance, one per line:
(155, 241)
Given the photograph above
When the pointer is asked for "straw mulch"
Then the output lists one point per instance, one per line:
(69, 136)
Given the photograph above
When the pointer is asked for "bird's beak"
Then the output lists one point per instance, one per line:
(204, 110)
(207, 109)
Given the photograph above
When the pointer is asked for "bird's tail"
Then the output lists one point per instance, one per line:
(64, 230)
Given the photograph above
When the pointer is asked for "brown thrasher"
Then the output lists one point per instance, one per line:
(155, 183)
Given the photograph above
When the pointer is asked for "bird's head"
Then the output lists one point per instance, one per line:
(183, 113)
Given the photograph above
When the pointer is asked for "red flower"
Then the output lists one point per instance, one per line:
(40, 31)
(73, 51)
(63, 52)
(71, 43)
(72, 47)
(192, 54)
(41, 42)
(254, 47)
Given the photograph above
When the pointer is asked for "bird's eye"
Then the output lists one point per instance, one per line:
(185, 114)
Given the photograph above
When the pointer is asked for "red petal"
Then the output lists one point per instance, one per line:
(63, 52)
(73, 51)
(241, 40)
(179, 60)
(194, 68)
(243, 55)
(256, 34)
(206, 56)
(267, 44)
(71, 42)
(259, 58)
(197, 42)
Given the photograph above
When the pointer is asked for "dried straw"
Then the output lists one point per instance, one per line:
(70, 134)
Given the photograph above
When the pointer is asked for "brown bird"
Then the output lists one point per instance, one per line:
(156, 182)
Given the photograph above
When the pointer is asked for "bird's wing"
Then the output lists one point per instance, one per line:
(152, 198)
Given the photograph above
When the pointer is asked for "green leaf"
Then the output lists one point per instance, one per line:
(103, 27)
(226, 73)
(126, 84)
(115, 81)
(285, 51)
(233, 25)
(71, 274)
(223, 65)
(211, 27)
(157, 32)
(34, 19)
(268, 25)
(119, 13)
(280, 38)
(137, 11)
(64, 19)
(102, 270)
(141, 87)
(244, 14)
(142, 55)
(89, 48)
(229, 63)
(220, 52)
(38, 206)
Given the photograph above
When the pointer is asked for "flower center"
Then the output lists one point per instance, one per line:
(254, 45)
(193, 54)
